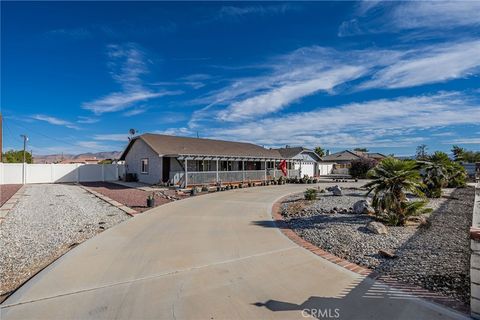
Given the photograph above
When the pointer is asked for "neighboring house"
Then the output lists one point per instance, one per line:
(342, 160)
(185, 161)
(309, 162)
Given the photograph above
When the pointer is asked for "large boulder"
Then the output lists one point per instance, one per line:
(362, 207)
(336, 190)
(377, 227)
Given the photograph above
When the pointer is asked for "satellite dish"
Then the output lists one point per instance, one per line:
(132, 132)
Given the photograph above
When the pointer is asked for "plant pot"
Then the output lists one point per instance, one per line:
(150, 203)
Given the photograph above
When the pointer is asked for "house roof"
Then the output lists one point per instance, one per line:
(347, 155)
(290, 152)
(344, 155)
(178, 146)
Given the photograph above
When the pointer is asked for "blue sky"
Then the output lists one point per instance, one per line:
(388, 76)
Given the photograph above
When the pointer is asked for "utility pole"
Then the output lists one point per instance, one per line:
(25, 139)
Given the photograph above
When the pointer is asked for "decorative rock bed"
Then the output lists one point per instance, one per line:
(434, 256)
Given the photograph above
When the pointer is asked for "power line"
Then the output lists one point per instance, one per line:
(56, 139)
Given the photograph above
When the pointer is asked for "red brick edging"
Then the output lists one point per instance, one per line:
(289, 233)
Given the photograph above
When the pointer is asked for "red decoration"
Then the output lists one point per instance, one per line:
(283, 166)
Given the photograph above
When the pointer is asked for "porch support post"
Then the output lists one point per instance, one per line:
(186, 173)
(217, 171)
(274, 168)
(288, 162)
(265, 170)
(243, 170)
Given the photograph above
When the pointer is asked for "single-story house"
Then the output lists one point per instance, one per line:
(309, 163)
(342, 160)
(185, 161)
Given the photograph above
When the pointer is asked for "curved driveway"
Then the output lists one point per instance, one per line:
(215, 256)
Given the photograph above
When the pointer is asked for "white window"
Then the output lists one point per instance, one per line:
(144, 165)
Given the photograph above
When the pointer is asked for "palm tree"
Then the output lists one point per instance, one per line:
(441, 171)
(392, 179)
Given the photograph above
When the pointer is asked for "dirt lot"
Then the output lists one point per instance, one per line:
(7, 191)
(131, 197)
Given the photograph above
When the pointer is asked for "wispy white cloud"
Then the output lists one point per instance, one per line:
(312, 70)
(87, 120)
(278, 98)
(472, 140)
(135, 111)
(394, 16)
(286, 79)
(55, 121)
(127, 64)
(76, 33)
(375, 123)
(435, 14)
(111, 137)
(429, 65)
(235, 12)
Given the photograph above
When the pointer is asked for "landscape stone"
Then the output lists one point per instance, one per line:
(377, 227)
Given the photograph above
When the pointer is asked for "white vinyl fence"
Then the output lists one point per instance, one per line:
(19, 173)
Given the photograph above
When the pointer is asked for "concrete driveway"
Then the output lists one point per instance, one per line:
(208, 257)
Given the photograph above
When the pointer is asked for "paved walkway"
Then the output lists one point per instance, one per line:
(215, 256)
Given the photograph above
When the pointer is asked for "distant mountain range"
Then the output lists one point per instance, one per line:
(53, 158)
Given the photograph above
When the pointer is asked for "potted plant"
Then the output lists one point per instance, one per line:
(151, 200)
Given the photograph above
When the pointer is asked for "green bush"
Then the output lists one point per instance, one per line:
(310, 194)
(392, 179)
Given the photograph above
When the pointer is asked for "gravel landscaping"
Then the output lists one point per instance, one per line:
(7, 191)
(435, 256)
(46, 222)
(131, 197)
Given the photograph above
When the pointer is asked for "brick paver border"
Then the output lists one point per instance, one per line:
(413, 290)
(10, 203)
(114, 203)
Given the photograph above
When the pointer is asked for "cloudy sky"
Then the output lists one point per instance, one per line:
(388, 76)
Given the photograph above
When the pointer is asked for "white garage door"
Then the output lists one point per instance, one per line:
(308, 169)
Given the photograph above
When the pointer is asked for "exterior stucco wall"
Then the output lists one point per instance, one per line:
(133, 163)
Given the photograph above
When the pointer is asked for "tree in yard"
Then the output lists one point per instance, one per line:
(13, 156)
(421, 153)
(392, 179)
(361, 149)
(320, 151)
(359, 168)
(458, 153)
(440, 172)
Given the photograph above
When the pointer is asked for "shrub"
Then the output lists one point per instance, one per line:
(359, 168)
(392, 179)
(310, 194)
(439, 172)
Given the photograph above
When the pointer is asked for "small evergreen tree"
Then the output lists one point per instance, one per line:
(16, 156)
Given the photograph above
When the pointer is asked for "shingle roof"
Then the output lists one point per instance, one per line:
(348, 155)
(341, 156)
(174, 145)
(290, 151)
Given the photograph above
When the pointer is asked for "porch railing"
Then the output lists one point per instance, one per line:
(210, 177)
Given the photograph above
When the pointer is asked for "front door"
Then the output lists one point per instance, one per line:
(166, 169)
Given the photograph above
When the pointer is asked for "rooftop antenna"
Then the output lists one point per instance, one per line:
(132, 133)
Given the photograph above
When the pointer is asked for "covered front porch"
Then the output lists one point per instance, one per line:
(203, 170)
